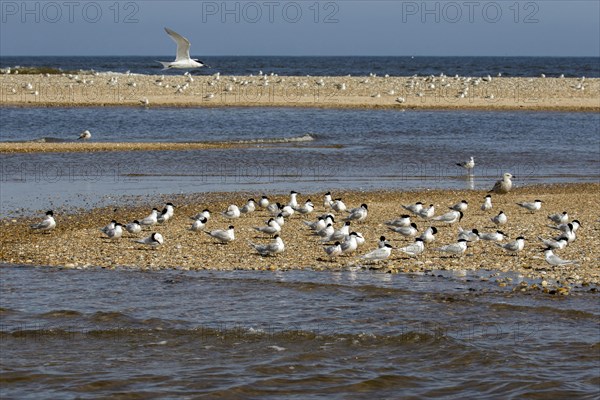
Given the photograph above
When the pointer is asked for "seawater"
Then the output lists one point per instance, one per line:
(297, 334)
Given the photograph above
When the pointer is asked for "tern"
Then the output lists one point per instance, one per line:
(504, 185)
(263, 202)
(182, 59)
(199, 224)
(565, 227)
(554, 260)
(379, 254)
(427, 213)
(249, 207)
(232, 212)
(114, 233)
(223, 236)
(307, 208)
(327, 200)
(151, 219)
(404, 220)
(154, 240)
(271, 228)
(429, 235)
(460, 206)
(469, 236)
(487, 204)
(497, 236)
(515, 246)
(414, 249)
(47, 224)
(414, 208)
(450, 217)
(334, 250)
(554, 244)
(409, 231)
(276, 246)
(533, 206)
(358, 214)
(559, 218)
(350, 244)
(500, 219)
(133, 227)
(338, 205)
(455, 249)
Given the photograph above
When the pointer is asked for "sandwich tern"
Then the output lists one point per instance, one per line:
(133, 227)
(460, 206)
(199, 224)
(497, 236)
(109, 227)
(334, 250)
(409, 231)
(271, 228)
(427, 213)
(154, 240)
(249, 207)
(455, 249)
(504, 185)
(276, 246)
(533, 206)
(349, 245)
(500, 219)
(554, 260)
(429, 235)
(414, 249)
(47, 224)
(338, 205)
(554, 244)
(263, 202)
(566, 228)
(327, 200)
(515, 246)
(487, 203)
(222, 235)
(232, 212)
(469, 236)
(559, 218)
(307, 208)
(151, 219)
(450, 217)
(293, 199)
(404, 220)
(379, 254)
(327, 232)
(414, 208)
(568, 235)
(358, 214)
(182, 59)
(116, 232)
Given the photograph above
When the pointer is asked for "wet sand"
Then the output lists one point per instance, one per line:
(78, 242)
(497, 93)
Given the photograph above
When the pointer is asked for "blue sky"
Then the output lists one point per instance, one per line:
(273, 27)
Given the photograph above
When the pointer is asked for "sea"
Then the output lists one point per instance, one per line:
(348, 334)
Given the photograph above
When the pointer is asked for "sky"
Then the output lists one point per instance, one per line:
(302, 27)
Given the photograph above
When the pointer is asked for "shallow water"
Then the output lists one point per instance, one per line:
(298, 334)
(352, 149)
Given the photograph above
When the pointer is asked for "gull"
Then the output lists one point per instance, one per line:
(133, 227)
(338, 205)
(500, 219)
(85, 135)
(334, 250)
(271, 228)
(504, 185)
(414, 249)
(276, 246)
(427, 213)
(263, 202)
(554, 260)
(460, 206)
(199, 224)
(469, 236)
(450, 217)
(379, 254)
(497, 236)
(223, 236)
(455, 249)
(487, 204)
(554, 244)
(182, 59)
(559, 218)
(232, 212)
(327, 200)
(154, 240)
(357, 214)
(414, 208)
(468, 165)
(150, 219)
(515, 246)
(249, 207)
(47, 224)
(429, 235)
(409, 231)
(115, 233)
(307, 208)
(533, 206)
(404, 220)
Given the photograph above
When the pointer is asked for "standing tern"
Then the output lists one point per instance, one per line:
(455, 249)
(429, 235)
(559, 218)
(133, 227)
(271, 228)
(199, 224)
(379, 254)
(500, 219)
(450, 217)
(515, 246)
(487, 204)
(357, 214)
(414, 249)
(276, 246)
(554, 260)
(533, 206)
(151, 219)
(222, 235)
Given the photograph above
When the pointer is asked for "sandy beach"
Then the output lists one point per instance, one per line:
(78, 242)
(374, 92)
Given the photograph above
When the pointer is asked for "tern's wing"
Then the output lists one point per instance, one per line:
(183, 45)
(42, 225)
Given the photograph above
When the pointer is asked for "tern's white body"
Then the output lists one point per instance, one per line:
(276, 246)
(182, 59)
(47, 224)
(415, 248)
(487, 203)
(554, 260)
(456, 249)
(222, 235)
